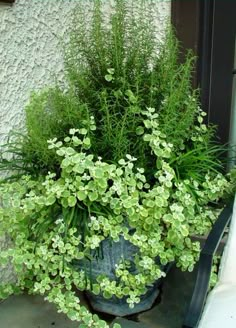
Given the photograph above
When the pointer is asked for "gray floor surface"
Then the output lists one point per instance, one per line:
(26, 311)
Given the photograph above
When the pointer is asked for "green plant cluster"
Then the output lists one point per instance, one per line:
(214, 271)
(121, 147)
(56, 221)
(114, 68)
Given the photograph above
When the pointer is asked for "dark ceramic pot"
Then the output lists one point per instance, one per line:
(113, 252)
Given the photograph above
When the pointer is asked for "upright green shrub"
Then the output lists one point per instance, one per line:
(121, 69)
(114, 68)
(51, 113)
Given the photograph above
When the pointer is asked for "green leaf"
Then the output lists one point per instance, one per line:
(122, 162)
(102, 324)
(87, 142)
(78, 169)
(149, 220)
(139, 130)
(83, 131)
(184, 230)
(60, 152)
(73, 131)
(108, 77)
(116, 325)
(69, 151)
(80, 256)
(64, 202)
(119, 172)
(98, 173)
(126, 290)
(96, 289)
(150, 203)
(131, 96)
(100, 278)
(72, 314)
(140, 185)
(102, 183)
(107, 295)
(144, 212)
(65, 163)
(173, 237)
(111, 71)
(67, 139)
(147, 137)
(72, 201)
(130, 211)
(96, 317)
(50, 200)
(76, 141)
(118, 93)
(58, 144)
(93, 196)
(127, 204)
(81, 195)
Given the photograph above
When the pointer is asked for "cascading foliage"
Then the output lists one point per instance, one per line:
(56, 221)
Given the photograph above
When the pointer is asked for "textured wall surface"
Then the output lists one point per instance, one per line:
(30, 52)
(6, 272)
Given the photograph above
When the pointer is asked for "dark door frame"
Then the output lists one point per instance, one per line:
(209, 27)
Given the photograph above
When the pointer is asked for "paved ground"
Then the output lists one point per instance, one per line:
(176, 295)
(32, 312)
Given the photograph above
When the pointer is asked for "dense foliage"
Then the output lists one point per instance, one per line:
(122, 146)
(114, 70)
(55, 221)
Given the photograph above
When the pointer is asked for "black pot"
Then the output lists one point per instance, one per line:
(112, 253)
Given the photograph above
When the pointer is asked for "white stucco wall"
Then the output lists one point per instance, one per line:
(30, 52)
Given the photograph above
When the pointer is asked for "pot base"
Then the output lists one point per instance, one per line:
(119, 307)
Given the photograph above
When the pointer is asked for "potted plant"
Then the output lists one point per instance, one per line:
(119, 156)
